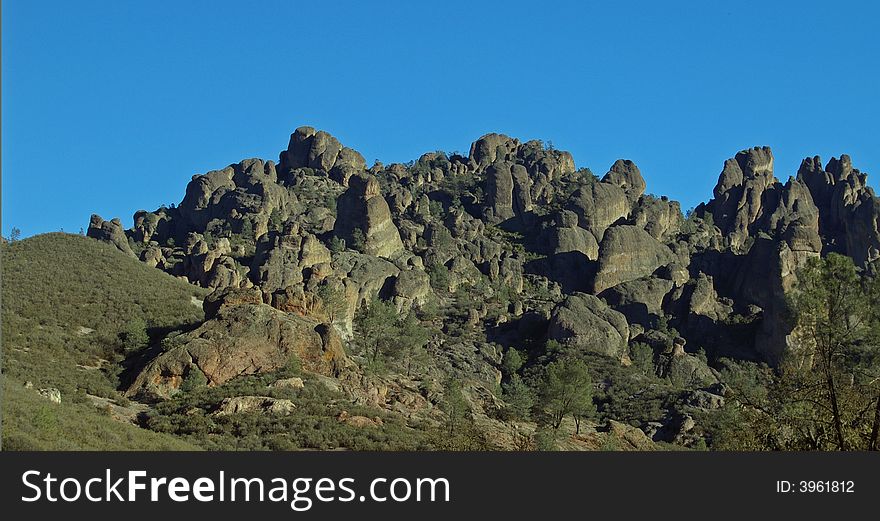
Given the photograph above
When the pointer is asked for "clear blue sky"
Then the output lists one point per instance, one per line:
(112, 106)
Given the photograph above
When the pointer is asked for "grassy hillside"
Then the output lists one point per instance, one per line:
(68, 302)
(71, 307)
(31, 422)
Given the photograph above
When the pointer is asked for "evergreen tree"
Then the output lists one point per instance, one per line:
(337, 245)
(518, 397)
(134, 336)
(511, 362)
(567, 390)
(830, 378)
(333, 301)
(412, 337)
(247, 230)
(276, 222)
(358, 240)
(375, 329)
(455, 405)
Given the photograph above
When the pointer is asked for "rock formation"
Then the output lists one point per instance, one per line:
(239, 338)
(110, 231)
(363, 208)
(628, 253)
(504, 248)
(585, 322)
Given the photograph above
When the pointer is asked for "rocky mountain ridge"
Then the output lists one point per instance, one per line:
(527, 248)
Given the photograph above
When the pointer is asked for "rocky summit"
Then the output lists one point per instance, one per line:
(510, 252)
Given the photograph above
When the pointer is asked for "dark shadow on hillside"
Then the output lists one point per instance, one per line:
(573, 271)
(524, 332)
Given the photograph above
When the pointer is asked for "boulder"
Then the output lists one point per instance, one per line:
(358, 421)
(312, 149)
(660, 217)
(625, 174)
(280, 259)
(51, 393)
(349, 162)
(151, 226)
(261, 404)
(640, 300)
(294, 382)
(628, 253)
(411, 288)
(586, 323)
(568, 237)
(229, 296)
(598, 206)
(491, 148)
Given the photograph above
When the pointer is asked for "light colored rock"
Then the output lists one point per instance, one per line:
(52, 394)
(263, 404)
(294, 382)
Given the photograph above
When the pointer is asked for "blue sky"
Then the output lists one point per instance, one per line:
(110, 107)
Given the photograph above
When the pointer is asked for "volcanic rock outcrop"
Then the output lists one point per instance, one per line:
(240, 338)
(109, 231)
(363, 211)
(512, 242)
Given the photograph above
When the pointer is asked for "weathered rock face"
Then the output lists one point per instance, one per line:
(661, 218)
(318, 150)
(533, 169)
(499, 192)
(312, 149)
(628, 253)
(248, 191)
(584, 322)
(150, 224)
(361, 278)
(412, 288)
(598, 206)
(240, 339)
(110, 231)
(507, 191)
(778, 227)
(491, 148)
(849, 210)
(293, 382)
(566, 236)
(230, 297)
(208, 266)
(625, 174)
(740, 193)
(280, 259)
(363, 208)
(764, 277)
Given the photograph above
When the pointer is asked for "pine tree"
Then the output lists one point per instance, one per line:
(567, 389)
(518, 397)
